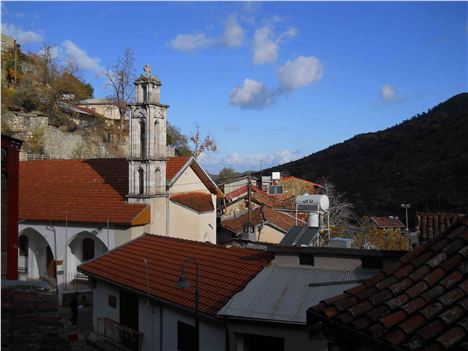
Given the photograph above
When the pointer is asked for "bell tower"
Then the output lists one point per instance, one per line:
(147, 156)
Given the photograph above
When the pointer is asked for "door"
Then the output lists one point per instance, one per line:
(129, 317)
(50, 264)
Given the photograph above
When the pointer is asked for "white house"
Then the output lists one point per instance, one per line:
(135, 291)
(71, 211)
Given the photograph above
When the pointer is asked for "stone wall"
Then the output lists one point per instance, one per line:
(24, 122)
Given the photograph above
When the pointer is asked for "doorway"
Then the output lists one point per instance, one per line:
(129, 317)
(51, 268)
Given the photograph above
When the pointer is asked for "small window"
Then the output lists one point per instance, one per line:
(306, 259)
(88, 249)
(185, 337)
(141, 177)
(112, 300)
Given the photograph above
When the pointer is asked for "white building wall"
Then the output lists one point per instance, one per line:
(296, 337)
(187, 182)
(40, 237)
(101, 308)
(211, 332)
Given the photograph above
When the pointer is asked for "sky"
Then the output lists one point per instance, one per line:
(270, 81)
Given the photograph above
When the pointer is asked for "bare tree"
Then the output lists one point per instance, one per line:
(201, 144)
(341, 211)
(120, 76)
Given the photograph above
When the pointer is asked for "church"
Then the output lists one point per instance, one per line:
(71, 211)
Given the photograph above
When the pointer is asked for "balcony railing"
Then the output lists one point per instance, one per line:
(118, 334)
(76, 281)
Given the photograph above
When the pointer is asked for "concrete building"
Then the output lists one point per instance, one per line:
(72, 211)
(103, 107)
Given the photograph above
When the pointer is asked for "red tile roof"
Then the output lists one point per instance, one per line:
(223, 271)
(418, 303)
(261, 215)
(200, 202)
(90, 190)
(174, 165)
(289, 178)
(387, 222)
(430, 225)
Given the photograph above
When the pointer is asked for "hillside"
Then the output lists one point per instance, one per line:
(423, 161)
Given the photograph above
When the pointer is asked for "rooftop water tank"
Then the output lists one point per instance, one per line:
(319, 201)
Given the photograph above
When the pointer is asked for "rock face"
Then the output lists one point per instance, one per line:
(422, 161)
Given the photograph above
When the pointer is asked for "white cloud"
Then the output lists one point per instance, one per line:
(265, 49)
(299, 72)
(232, 36)
(251, 95)
(257, 161)
(22, 37)
(81, 58)
(242, 162)
(233, 33)
(266, 46)
(388, 93)
(55, 51)
(191, 42)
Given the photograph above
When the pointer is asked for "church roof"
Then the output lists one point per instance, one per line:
(91, 191)
(223, 271)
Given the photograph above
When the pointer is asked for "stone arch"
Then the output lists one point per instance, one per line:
(74, 255)
(39, 263)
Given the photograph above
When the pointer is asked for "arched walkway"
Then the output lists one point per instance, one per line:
(83, 247)
(35, 257)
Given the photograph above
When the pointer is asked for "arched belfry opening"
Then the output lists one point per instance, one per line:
(147, 141)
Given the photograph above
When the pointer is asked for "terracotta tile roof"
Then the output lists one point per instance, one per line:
(387, 222)
(238, 192)
(174, 165)
(223, 271)
(418, 303)
(200, 202)
(430, 225)
(261, 215)
(296, 179)
(90, 190)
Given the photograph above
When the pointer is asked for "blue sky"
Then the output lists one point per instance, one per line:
(271, 81)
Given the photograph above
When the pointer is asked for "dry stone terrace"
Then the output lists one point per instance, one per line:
(30, 321)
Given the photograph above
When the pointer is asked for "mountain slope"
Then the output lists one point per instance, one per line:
(423, 160)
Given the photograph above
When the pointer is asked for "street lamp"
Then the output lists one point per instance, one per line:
(183, 283)
(406, 206)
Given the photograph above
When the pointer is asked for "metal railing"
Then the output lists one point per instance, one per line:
(76, 281)
(32, 157)
(120, 335)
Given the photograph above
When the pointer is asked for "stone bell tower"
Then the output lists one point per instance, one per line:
(147, 156)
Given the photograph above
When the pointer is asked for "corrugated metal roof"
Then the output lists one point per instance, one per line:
(282, 293)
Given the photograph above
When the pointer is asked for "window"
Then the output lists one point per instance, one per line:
(306, 259)
(145, 93)
(185, 337)
(112, 300)
(142, 139)
(141, 178)
(88, 249)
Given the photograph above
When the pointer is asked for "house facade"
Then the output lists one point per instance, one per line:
(135, 290)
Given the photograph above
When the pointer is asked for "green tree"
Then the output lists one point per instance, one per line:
(177, 140)
(226, 174)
